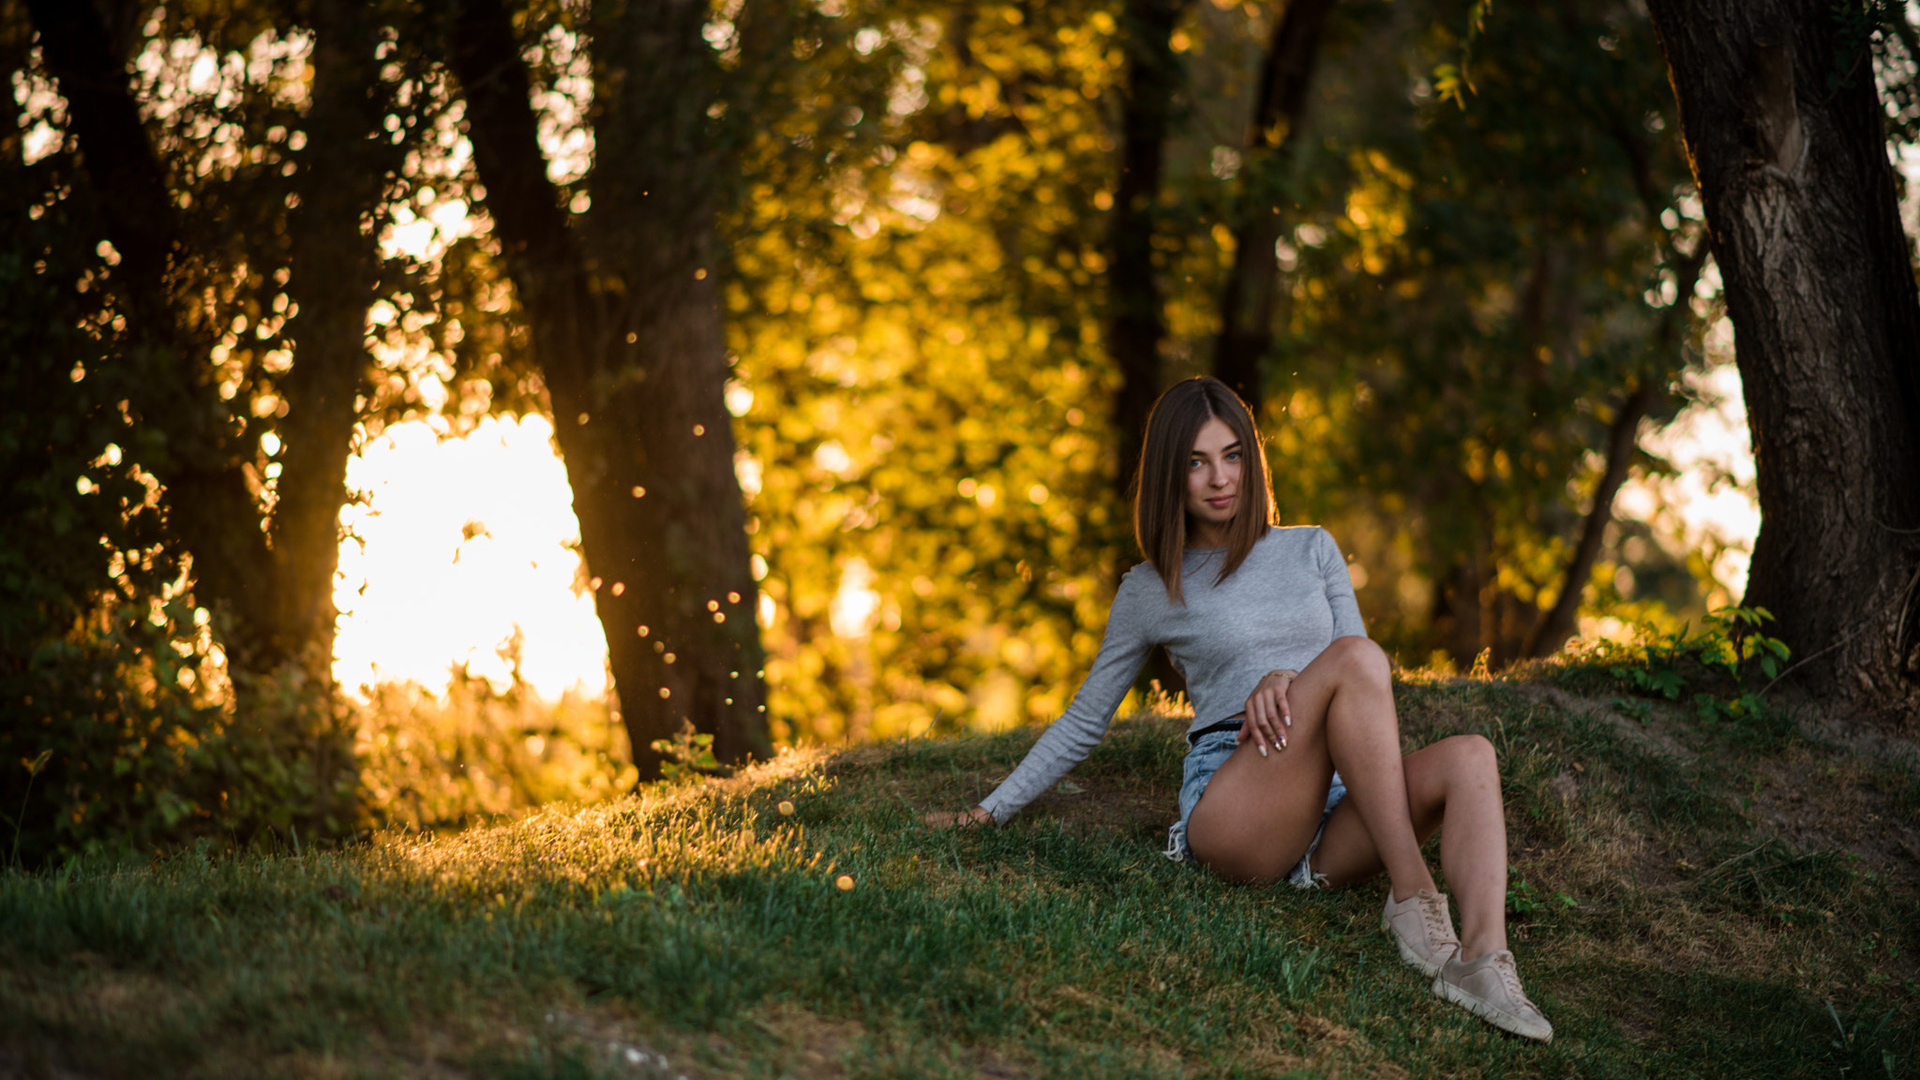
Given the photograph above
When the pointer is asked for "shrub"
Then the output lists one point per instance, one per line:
(477, 752)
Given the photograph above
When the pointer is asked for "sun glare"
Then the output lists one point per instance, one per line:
(1709, 506)
(461, 544)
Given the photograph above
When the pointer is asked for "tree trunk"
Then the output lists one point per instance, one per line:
(1246, 308)
(210, 509)
(1784, 129)
(1136, 318)
(1136, 322)
(627, 330)
(335, 267)
(1557, 623)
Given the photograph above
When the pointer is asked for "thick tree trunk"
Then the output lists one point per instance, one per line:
(627, 330)
(210, 509)
(1136, 323)
(1784, 130)
(335, 267)
(1246, 308)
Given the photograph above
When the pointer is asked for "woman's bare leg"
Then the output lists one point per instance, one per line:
(1453, 786)
(1259, 813)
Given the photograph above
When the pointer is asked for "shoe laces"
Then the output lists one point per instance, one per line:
(1510, 978)
(1434, 911)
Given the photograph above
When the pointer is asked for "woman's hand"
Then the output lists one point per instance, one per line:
(1268, 713)
(958, 819)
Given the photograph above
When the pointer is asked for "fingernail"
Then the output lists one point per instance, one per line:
(1263, 749)
(1283, 744)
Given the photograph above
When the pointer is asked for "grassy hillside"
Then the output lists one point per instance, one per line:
(1694, 897)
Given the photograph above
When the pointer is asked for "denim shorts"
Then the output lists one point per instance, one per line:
(1208, 753)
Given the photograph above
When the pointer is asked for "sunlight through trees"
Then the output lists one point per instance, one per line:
(774, 371)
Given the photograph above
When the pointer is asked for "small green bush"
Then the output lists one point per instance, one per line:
(1724, 671)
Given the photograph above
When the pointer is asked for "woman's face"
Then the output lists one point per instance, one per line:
(1213, 480)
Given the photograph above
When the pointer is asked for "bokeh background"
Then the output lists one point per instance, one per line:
(1454, 250)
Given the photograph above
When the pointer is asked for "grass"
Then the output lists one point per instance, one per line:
(1690, 900)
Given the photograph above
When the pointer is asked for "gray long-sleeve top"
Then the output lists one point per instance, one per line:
(1284, 605)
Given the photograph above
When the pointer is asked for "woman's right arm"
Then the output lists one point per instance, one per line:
(1071, 738)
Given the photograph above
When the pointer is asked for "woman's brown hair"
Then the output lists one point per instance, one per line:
(1160, 485)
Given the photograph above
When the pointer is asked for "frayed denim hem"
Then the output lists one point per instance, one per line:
(1304, 876)
(1205, 757)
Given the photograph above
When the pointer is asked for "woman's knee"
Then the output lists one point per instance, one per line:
(1471, 755)
(1362, 657)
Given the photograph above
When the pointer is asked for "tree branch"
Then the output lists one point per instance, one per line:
(1246, 305)
(1555, 625)
(119, 160)
(506, 147)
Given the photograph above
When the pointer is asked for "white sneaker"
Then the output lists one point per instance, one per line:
(1489, 988)
(1422, 929)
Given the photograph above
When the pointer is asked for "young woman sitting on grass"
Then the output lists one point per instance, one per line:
(1294, 770)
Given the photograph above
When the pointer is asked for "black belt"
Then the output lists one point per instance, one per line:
(1232, 723)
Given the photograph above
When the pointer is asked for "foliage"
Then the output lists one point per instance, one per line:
(1524, 898)
(919, 340)
(1884, 30)
(236, 144)
(920, 386)
(117, 733)
(689, 756)
(112, 749)
(1476, 292)
(1723, 664)
(476, 752)
(1476, 276)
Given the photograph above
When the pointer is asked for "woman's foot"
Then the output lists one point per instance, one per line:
(1422, 928)
(1488, 986)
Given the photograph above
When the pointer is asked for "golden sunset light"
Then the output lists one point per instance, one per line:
(1082, 505)
(460, 544)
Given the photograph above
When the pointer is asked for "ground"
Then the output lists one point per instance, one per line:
(1693, 895)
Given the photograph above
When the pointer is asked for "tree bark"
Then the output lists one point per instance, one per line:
(1556, 624)
(1136, 316)
(335, 268)
(1136, 322)
(210, 509)
(627, 330)
(1785, 133)
(1246, 307)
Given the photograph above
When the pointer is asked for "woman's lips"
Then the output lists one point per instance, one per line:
(1221, 503)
